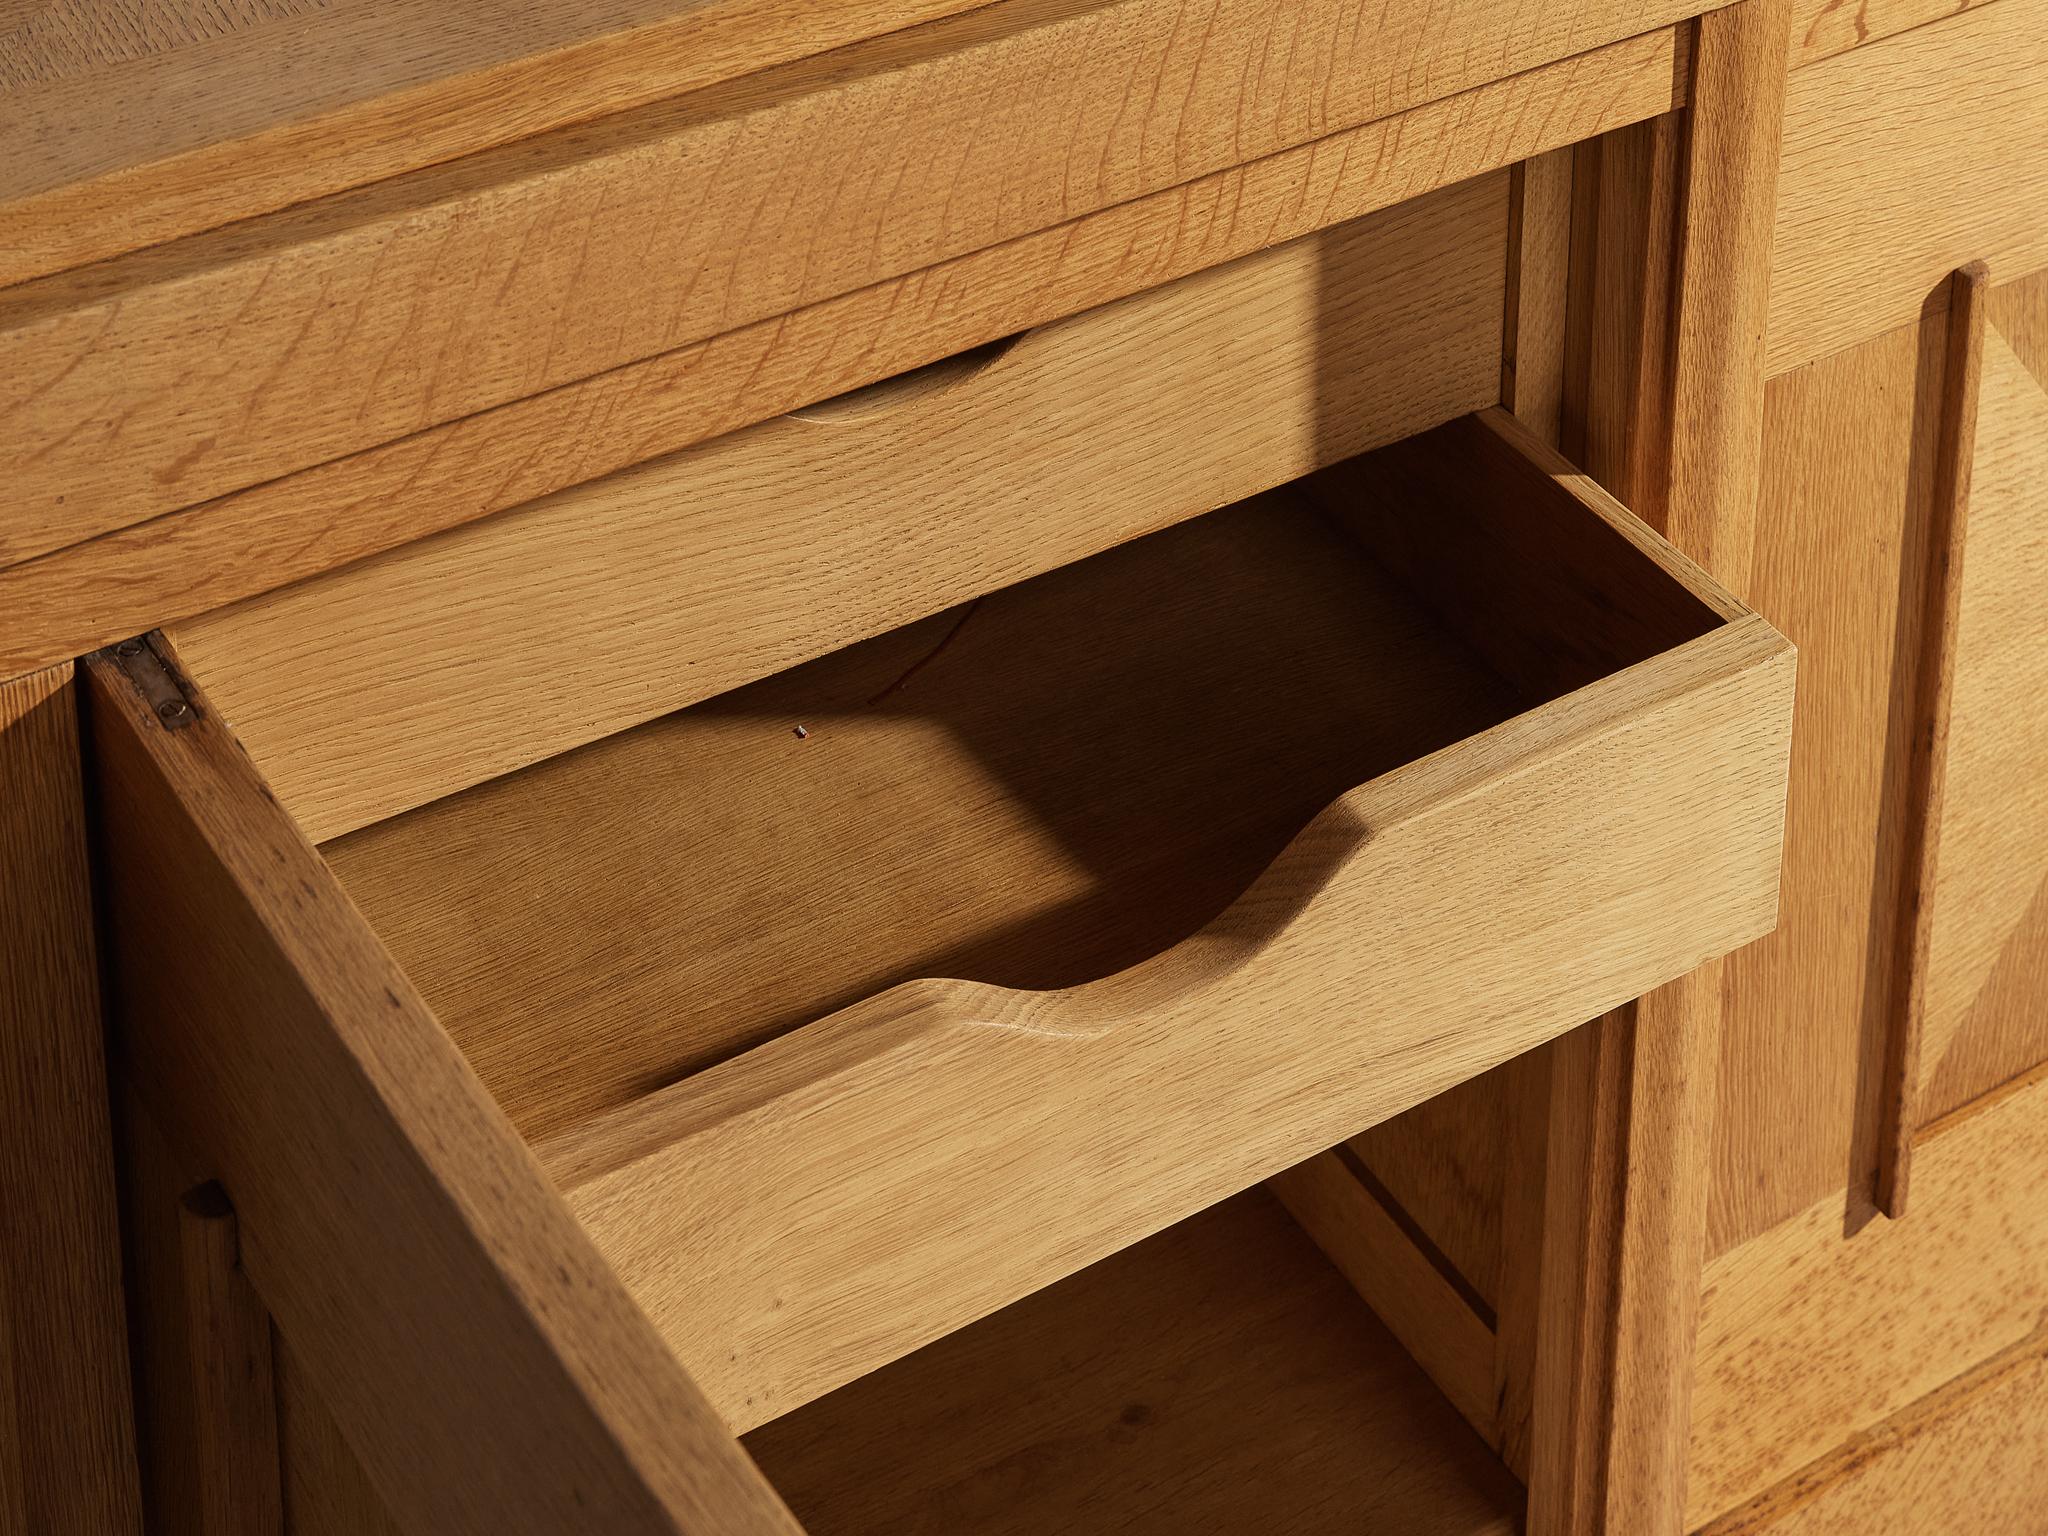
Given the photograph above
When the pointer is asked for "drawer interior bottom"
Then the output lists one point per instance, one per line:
(1042, 788)
(1220, 1376)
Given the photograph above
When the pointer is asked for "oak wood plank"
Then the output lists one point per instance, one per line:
(1218, 1377)
(1434, 1320)
(67, 1439)
(155, 380)
(326, 1491)
(390, 1218)
(189, 562)
(1893, 177)
(376, 688)
(235, 108)
(1823, 28)
(1539, 271)
(1441, 1165)
(1807, 1339)
(1800, 1107)
(1985, 978)
(1972, 1445)
(1669, 410)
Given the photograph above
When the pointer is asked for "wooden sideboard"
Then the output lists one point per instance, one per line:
(1040, 765)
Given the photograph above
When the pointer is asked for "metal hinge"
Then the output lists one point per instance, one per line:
(144, 666)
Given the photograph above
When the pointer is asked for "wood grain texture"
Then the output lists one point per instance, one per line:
(1933, 689)
(1799, 1116)
(1218, 1377)
(1986, 962)
(1519, 1312)
(145, 383)
(151, 1181)
(780, 1278)
(190, 562)
(67, 1460)
(234, 1407)
(1665, 389)
(1732, 155)
(2020, 311)
(373, 689)
(1079, 779)
(1434, 1320)
(1807, 1339)
(234, 108)
(1968, 1451)
(1442, 1166)
(1616, 414)
(440, 1292)
(326, 1491)
(1893, 177)
(1582, 1217)
(1823, 28)
(1539, 272)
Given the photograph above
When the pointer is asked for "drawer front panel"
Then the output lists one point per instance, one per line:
(278, 531)
(160, 378)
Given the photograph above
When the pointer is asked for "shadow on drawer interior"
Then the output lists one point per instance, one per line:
(1036, 789)
(1219, 1376)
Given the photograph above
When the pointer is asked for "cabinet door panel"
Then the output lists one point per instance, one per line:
(1986, 993)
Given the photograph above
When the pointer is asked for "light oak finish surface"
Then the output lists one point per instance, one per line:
(777, 1277)
(1442, 1165)
(1903, 161)
(233, 108)
(67, 1447)
(1431, 1315)
(190, 562)
(1663, 404)
(440, 1292)
(1800, 1106)
(1986, 965)
(377, 688)
(1218, 1377)
(1823, 28)
(1539, 273)
(154, 380)
(1807, 1339)
(1733, 149)
(1966, 1456)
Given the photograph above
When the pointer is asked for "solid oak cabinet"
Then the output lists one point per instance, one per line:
(1240, 837)
(1030, 766)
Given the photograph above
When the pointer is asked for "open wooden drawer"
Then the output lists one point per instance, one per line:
(582, 1117)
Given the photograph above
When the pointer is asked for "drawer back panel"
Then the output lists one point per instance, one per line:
(407, 677)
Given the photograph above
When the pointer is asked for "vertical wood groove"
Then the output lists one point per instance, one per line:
(67, 1443)
(1934, 680)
